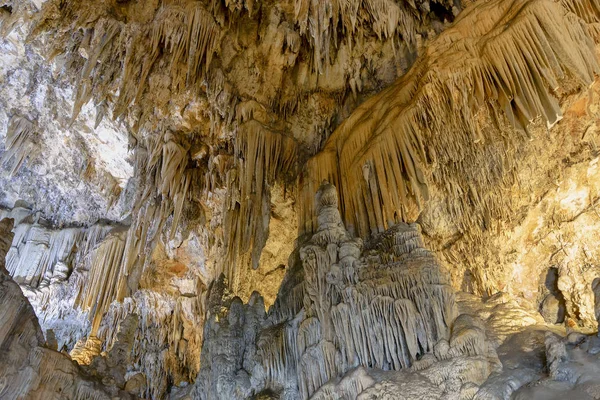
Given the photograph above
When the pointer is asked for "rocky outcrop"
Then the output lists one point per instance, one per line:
(69, 276)
(572, 364)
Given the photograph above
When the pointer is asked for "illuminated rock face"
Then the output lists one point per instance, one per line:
(160, 160)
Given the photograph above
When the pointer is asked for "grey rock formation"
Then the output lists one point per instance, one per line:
(553, 309)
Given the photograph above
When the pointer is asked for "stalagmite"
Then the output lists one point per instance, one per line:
(408, 310)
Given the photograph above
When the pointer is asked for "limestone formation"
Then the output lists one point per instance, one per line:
(294, 199)
(495, 63)
(20, 142)
(69, 276)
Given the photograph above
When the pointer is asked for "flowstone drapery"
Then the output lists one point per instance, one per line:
(502, 64)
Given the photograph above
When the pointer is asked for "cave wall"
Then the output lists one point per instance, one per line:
(548, 224)
(76, 172)
(67, 275)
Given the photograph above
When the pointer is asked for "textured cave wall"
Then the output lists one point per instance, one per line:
(73, 171)
(545, 245)
(67, 275)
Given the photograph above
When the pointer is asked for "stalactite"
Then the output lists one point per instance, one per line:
(262, 157)
(20, 143)
(111, 263)
(41, 255)
(105, 44)
(165, 340)
(27, 368)
(164, 185)
(508, 63)
(320, 23)
(588, 11)
(105, 273)
(186, 35)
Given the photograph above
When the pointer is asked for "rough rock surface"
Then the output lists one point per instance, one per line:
(160, 159)
(65, 274)
(73, 172)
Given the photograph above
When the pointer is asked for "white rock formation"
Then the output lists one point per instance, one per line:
(29, 368)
